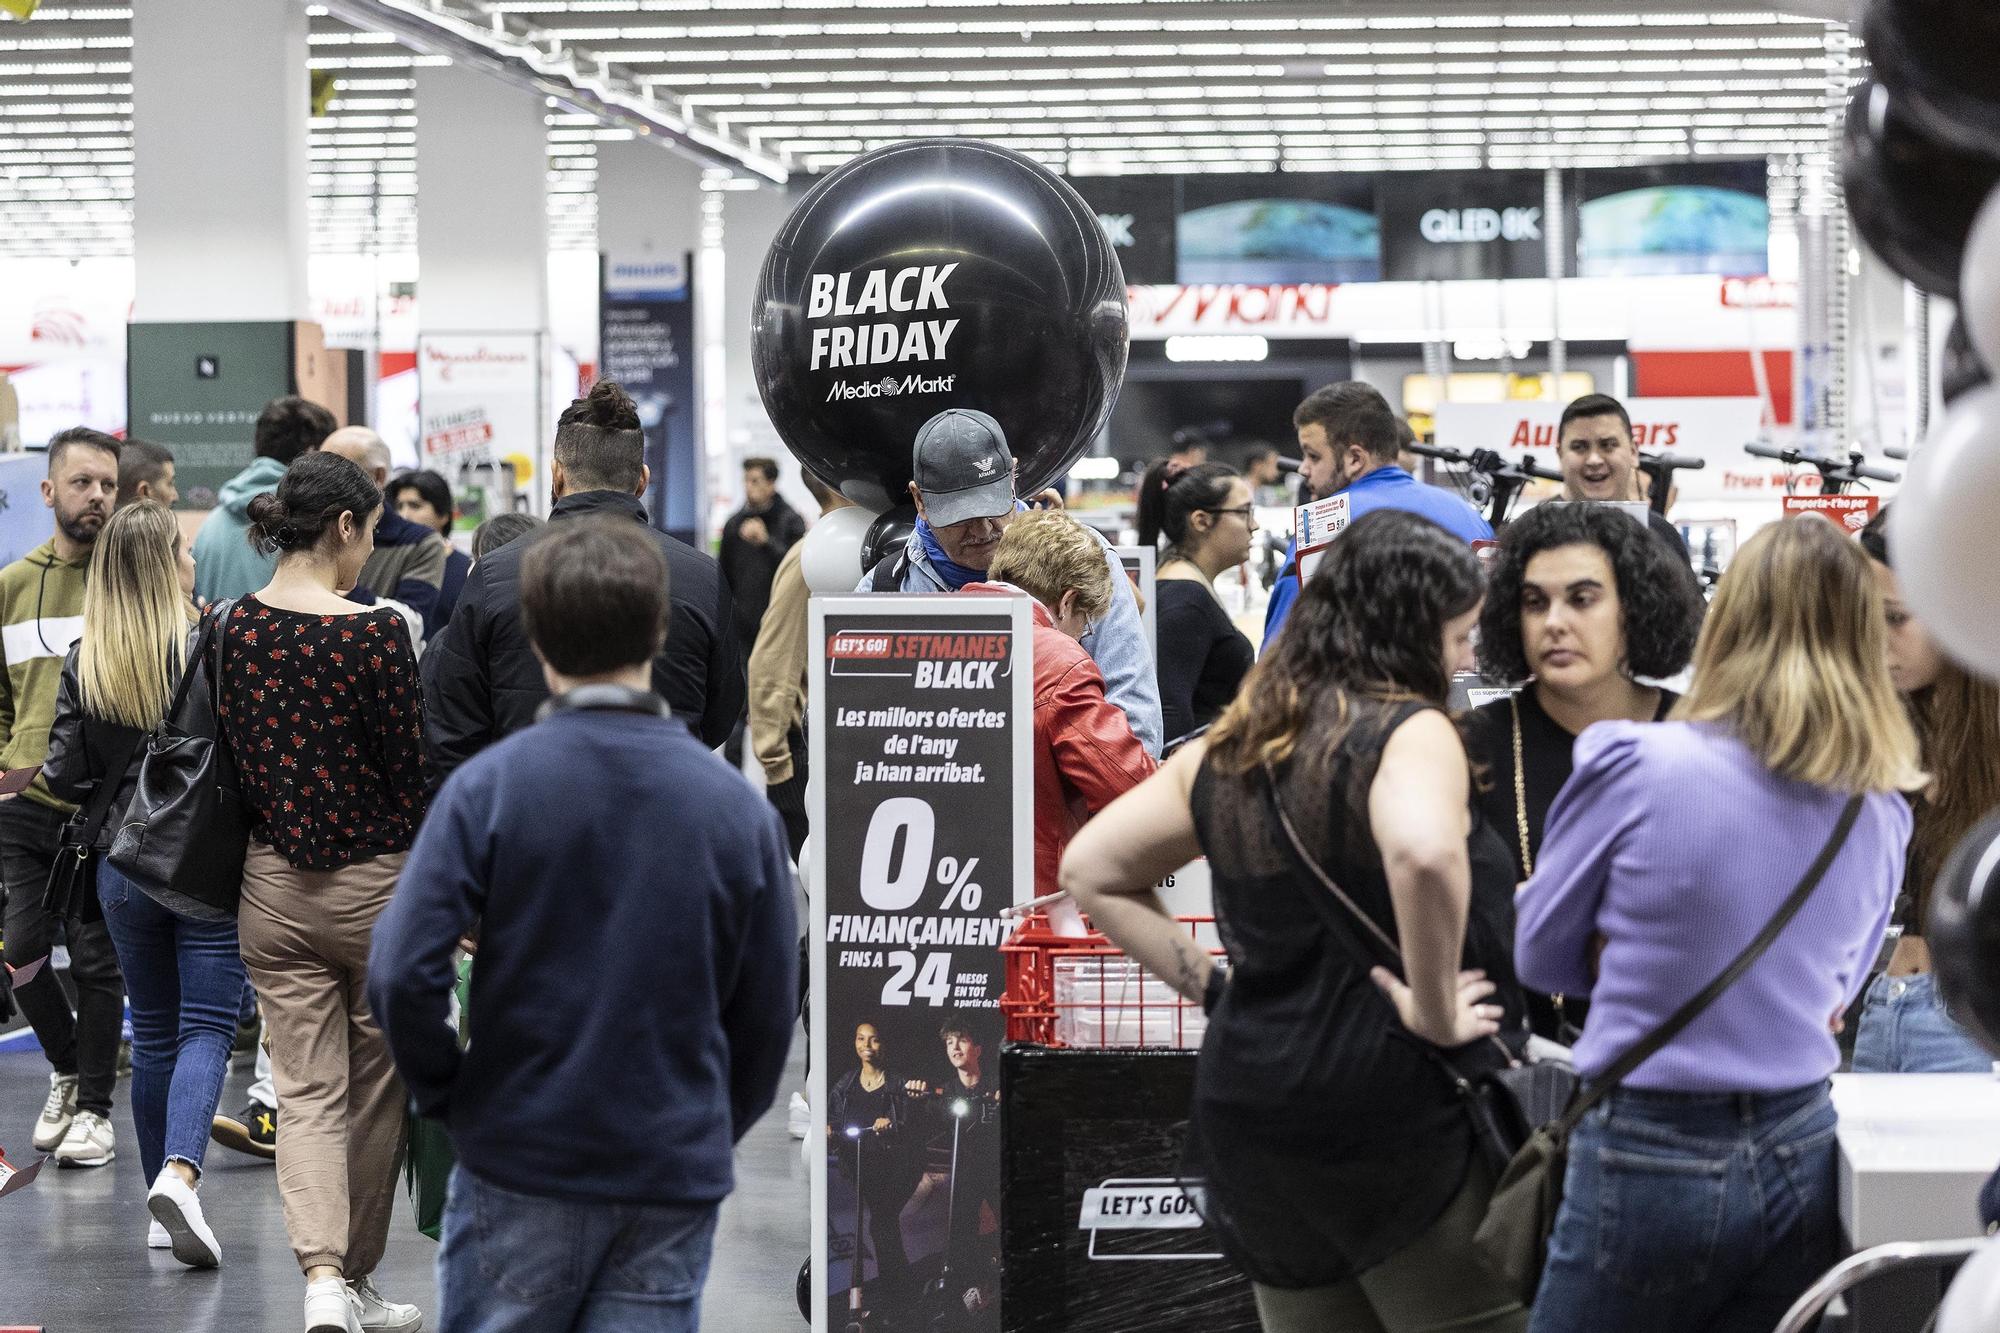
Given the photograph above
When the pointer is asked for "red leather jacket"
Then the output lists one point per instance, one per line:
(1085, 753)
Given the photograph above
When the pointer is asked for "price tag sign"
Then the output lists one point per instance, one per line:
(1850, 513)
(1316, 525)
(923, 826)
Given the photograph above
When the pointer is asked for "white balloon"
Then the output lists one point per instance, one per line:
(1973, 1303)
(1979, 284)
(1944, 532)
(831, 558)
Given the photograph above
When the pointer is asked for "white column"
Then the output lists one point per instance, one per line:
(219, 112)
(482, 204)
(648, 200)
(751, 220)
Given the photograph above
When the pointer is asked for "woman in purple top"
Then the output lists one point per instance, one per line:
(1700, 1195)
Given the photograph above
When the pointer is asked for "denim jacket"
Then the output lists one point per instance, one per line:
(1117, 643)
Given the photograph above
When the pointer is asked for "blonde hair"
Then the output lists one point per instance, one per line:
(1793, 659)
(1047, 554)
(135, 619)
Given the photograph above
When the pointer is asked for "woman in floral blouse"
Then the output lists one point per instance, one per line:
(323, 711)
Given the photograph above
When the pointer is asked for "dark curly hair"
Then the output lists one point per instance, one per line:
(1659, 601)
(1370, 623)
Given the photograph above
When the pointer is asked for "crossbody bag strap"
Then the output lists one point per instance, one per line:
(197, 657)
(1381, 937)
(1657, 1040)
(98, 808)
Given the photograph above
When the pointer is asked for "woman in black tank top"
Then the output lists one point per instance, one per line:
(1337, 1158)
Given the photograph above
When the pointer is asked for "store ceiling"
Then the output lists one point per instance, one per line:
(1090, 87)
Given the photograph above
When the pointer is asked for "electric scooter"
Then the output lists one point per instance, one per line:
(1836, 474)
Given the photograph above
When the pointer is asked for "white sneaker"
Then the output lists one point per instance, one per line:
(173, 1204)
(799, 1116)
(57, 1113)
(372, 1312)
(329, 1307)
(89, 1142)
(157, 1237)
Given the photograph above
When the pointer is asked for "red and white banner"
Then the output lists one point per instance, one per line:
(1712, 429)
(1275, 309)
(479, 398)
(1849, 513)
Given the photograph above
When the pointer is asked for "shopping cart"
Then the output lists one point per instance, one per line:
(1082, 991)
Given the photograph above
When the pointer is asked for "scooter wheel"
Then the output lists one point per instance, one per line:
(805, 1290)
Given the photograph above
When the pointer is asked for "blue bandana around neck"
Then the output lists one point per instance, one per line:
(955, 575)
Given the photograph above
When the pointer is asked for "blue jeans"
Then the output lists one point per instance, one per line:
(1691, 1213)
(522, 1263)
(185, 981)
(1905, 1030)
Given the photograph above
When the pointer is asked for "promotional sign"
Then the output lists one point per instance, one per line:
(930, 275)
(1103, 1233)
(1849, 513)
(923, 810)
(1441, 225)
(480, 404)
(198, 388)
(1712, 429)
(1138, 563)
(646, 343)
(1283, 227)
(1315, 526)
(1138, 214)
(1682, 217)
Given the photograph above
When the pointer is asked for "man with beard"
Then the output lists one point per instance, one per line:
(1349, 442)
(41, 615)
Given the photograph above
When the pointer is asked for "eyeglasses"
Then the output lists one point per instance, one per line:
(1248, 513)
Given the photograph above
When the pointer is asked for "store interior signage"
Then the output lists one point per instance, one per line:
(1461, 226)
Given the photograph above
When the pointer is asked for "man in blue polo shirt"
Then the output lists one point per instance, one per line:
(1348, 443)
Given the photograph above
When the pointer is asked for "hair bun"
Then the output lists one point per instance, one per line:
(609, 407)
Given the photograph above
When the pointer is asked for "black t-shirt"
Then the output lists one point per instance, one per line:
(1667, 533)
(1547, 755)
(1202, 658)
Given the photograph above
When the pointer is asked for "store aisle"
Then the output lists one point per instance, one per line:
(73, 1256)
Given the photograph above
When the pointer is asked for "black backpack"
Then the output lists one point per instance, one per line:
(887, 576)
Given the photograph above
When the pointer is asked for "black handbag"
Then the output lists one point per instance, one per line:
(73, 874)
(187, 830)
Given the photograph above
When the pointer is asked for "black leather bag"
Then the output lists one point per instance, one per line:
(72, 881)
(187, 830)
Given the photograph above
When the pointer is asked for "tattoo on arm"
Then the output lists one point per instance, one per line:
(1189, 981)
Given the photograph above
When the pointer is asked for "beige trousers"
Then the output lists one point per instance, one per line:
(305, 936)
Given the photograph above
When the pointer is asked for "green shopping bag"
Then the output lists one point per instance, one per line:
(427, 1170)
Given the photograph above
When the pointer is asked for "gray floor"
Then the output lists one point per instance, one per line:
(73, 1256)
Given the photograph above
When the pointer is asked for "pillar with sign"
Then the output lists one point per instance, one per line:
(923, 814)
(484, 397)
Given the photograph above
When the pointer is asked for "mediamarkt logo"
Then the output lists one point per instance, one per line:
(889, 387)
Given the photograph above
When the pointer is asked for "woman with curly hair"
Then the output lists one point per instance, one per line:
(1582, 607)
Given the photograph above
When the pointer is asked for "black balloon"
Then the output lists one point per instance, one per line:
(1960, 370)
(1914, 199)
(933, 274)
(1939, 57)
(1963, 930)
(888, 535)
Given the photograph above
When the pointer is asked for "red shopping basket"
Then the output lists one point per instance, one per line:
(1081, 990)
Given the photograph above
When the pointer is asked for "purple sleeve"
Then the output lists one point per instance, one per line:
(1556, 911)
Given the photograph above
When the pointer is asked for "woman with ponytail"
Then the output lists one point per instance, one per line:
(182, 975)
(1205, 515)
(323, 711)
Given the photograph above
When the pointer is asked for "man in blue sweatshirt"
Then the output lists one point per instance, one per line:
(634, 987)
(1349, 442)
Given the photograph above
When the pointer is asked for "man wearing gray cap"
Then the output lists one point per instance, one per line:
(964, 491)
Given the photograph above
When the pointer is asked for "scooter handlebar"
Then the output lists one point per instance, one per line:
(1673, 462)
